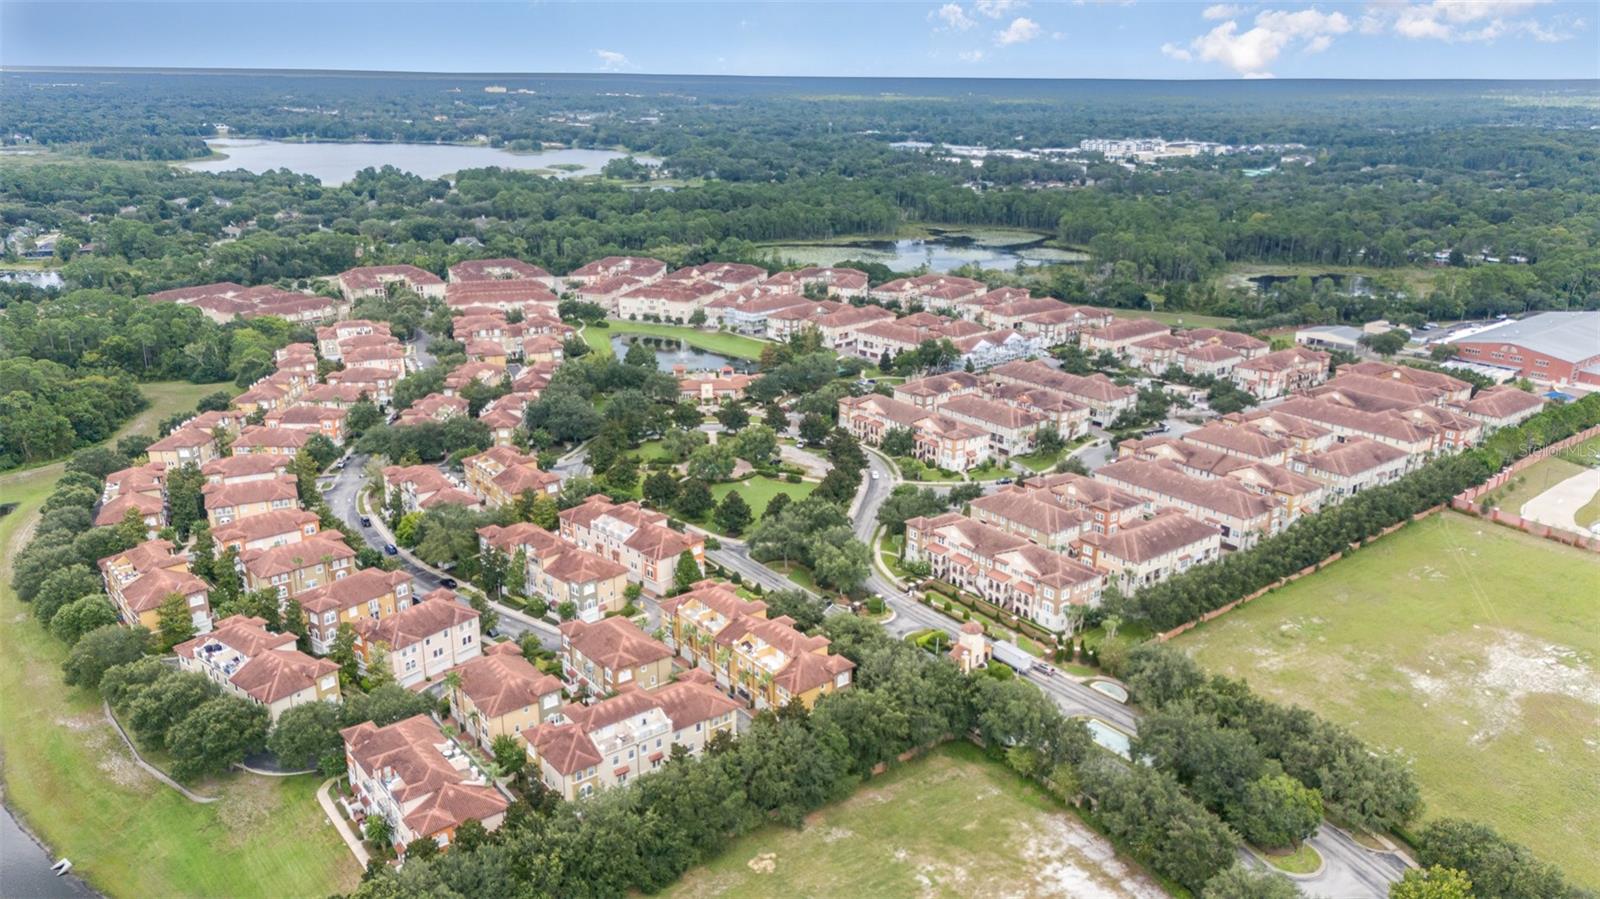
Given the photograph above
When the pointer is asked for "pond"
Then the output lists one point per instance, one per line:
(336, 163)
(1109, 737)
(25, 866)
(1354, 285)
(37, 277)
(672, 352)
(941, 251)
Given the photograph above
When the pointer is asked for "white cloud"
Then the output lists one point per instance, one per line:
(953, 17)
(994, 9)
(971, 55)
(612, 61)
(1221, 11)
(1251, 53)
(1463, 20)
(1020, 31)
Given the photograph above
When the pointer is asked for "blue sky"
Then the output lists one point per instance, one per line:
(982, 38)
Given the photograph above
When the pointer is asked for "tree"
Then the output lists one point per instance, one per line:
(687, 572)
(363, 415)
(378, 831)
(694, 499)
(814, 428)
(81, 616)
(60, 587)
(1158, 674)
(156, 708)
(566, 610)
(545, 513)
(776, 505)
(712, 463)
(1386, 344)
(307, 736)
(641, 355)
(1495, 866)
(623, 474)
(1277, 812)
(493, 565)
(216, 735)
(733, 416)
(1243, 882)
(1432, 883)
(661, 490)
(343, 653)
(421, 849)
(733, 513)
(807, 611)
(898, 442)
(509, 756)
(102, 648)
(517, 573)
(840, 561)
(757, 444)
(174, 624)
(185, 502)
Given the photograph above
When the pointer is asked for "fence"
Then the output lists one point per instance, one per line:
(1467, 500)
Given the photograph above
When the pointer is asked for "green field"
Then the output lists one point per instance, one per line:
(1176, 319)
(69, 777)
(759, 490)
(950, 824)
(1473, 649)
(1532, 481)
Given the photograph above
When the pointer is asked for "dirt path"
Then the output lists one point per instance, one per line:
(1557, 506)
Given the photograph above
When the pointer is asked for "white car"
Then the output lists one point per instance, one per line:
(874, 476)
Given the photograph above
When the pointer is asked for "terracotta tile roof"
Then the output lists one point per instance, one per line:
(994, 414)
(240, 493)
(183, 438)
(113, 512)
(412, 625)
(260, 436)
(614, 643)
(1168, 482)
(1140, 541)
(355, 589)
(150, 590)
(245, 466)
(1128, 329)
(501, 681)
(1501, 402)
(268, 524)
(276, 560)
(494, 270)
(1353, 457)
(371, 276)
(411, 749)
(272, 668)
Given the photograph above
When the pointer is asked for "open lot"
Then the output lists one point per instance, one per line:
(950, 824)
(72, 781)
(759, 490)
(1474, 649)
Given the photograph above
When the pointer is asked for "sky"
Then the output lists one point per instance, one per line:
(943, 38)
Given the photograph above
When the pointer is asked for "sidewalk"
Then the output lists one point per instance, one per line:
(340, 824)
(152, 770)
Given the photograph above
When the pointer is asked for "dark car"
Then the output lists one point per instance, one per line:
(366, 522)
(447, 582)
(391, 549)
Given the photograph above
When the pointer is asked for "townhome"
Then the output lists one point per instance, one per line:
(1069, 417)
(268, 529)
(558, 571)
(1281, 373)
(423, 487)
(632, 536)
(244, 469)
(505, 295)
(1375, 394)
(1011, 313)
(1011, 430)
(726, 275)
(1352, 465)
(486, 373)
(216, 421)
(299, 359)
(226, 503)
(644, 269)
(1116, 337)
(791, 320)
(495, 270)
(296, 568)
(835, 282)
(376, 383)
(1105, 398)
(1418, 440)
(375, 280)
(255, 664)
(263, 396)
(605, 292)
(143, 489)
(667, 300)
(933, 290)
(940, 440)
(974, 308)
(1303, 436)
(935, 390)
(435, 408)
(1156, 354)
(1110, 508)
(500, 474)
(325, 420)
(1242, 439)
(763, 661)
(1243, 515)
(422, 641)
(1150, 551)
(370, 594)
(1009, 571)
(1063, 324)
(1451, 389)
(985, 351)
(612, 655)
(504, 415)
(1211, 360)
(592, 748)
(151, 478)
(185, 446)
(1501, 407)
(500, 693)
(414, 777)
(328, 338)
(389, 356)
(141, 579)
(543, 348)
(271, 441)
(1036, 515)
(1244, 345)
(838, 328)
(335, 396)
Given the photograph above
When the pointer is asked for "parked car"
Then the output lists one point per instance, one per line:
(366, 522)
(1003, 481)
(391, 549)
(449, 582)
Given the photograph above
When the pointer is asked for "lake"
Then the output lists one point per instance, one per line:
(671, 352)
(337, 163)
(941, 251)
(1354, 285)
(37, 277)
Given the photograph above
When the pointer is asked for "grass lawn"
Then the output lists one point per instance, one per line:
(71, 780)
(599, 341)
(1176, 319)
(759, 490)
(928, 828)
(914, 470)
(1471, 648)
(989, 471)
(715, 341)
(796, 572)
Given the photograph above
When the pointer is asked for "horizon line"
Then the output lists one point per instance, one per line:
(233, 70)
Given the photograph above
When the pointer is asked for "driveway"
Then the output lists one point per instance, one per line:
(1558, 506)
